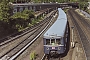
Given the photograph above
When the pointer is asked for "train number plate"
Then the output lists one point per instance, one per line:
(53, 47)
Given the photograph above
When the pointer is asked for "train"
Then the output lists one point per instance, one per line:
(56, 37)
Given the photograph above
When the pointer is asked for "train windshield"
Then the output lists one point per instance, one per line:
(47, 41)
(58, 41)
(53, 41)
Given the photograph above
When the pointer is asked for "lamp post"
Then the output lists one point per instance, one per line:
(72, 42)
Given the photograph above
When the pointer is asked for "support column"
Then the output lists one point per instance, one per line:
(72, 42)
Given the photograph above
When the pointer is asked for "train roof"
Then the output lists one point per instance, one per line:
(58, 28)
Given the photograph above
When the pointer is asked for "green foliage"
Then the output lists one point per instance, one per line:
(32, 56)
(22, 19)
(65, 10)
(30, 13)
(33, 22)
(88, 11)
(19, 27)
(20, 15)
(5, 11)
(88, 0)
(83, 5)
(26, 14)
(12, 0)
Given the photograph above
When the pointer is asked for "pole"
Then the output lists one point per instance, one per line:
(72, 42)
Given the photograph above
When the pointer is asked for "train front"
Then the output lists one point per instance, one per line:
(53, 45)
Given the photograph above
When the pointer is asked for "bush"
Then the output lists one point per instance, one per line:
(32, 56)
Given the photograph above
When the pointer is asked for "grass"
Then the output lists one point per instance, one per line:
(32, 55)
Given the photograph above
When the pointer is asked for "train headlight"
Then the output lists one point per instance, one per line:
(58, 48)
(47, 48)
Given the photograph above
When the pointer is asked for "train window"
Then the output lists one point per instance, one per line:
(21, 9)
(52, 41)
(58, 41)
(47, 41)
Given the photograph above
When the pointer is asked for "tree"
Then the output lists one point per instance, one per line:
(22, 19)
(5, 11)
(83, 5)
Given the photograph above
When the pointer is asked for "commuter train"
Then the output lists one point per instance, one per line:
(56, 37)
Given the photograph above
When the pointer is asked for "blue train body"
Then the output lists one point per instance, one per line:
(55, 38)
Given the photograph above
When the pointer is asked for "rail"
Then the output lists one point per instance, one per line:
(43, 58)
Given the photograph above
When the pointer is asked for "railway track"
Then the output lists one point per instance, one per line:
(18, 36)
(51, 58)
(83, 37)
(41, 12)
(28, 41)
(85, 24)
(85, 21)
(55, 58)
